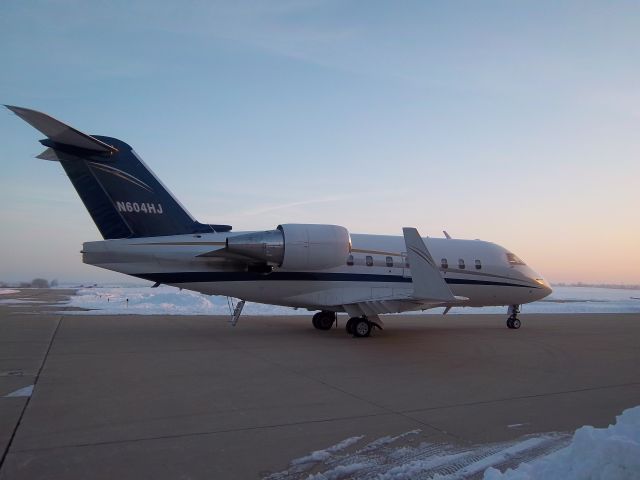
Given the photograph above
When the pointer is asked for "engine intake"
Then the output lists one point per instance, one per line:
(295, 246)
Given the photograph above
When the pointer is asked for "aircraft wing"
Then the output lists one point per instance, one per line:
(429, 288)
(428, 284)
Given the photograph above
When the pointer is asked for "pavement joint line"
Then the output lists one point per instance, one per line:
(201, 434)
(382, 407)
(26, 403)
(387, 412)
(133, 352)
(523, 397)
(346, 392)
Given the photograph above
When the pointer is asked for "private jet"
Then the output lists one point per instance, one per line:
(148, 234)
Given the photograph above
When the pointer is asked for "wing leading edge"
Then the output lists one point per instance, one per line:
(429, 288)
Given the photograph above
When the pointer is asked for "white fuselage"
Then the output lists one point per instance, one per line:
(376, 270)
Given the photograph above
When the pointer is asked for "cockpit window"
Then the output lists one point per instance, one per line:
(513, 259)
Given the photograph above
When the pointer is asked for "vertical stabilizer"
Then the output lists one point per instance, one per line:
(122, 195)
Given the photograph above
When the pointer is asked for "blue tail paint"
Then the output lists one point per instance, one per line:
(123, 196)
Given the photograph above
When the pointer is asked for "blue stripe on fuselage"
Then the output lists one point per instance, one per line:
(200, 277)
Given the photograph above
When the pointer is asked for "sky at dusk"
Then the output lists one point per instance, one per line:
(513, 122)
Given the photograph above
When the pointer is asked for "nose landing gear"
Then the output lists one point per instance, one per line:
(513, 321)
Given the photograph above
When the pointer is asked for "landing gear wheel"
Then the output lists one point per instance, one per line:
(362, 328)
(324, 320)
(350, 325)
(513, 322)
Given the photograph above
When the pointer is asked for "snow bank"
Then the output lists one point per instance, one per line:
(611, 453)
(14, 301)
(163, 300)
(321, 455)
(399, 458)
(166, 300)
(7, 291)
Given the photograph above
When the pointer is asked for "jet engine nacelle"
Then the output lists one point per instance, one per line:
(311, 247)
(295, 246)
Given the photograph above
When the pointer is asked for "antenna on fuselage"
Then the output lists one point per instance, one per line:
(446, 234)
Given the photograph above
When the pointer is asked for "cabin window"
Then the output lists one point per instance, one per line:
(369, 261)
(478, 265)
(444, 263)
(461, 265)
(350, 260)
(389, 261)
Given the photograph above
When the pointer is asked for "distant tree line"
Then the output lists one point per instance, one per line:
(35, 283)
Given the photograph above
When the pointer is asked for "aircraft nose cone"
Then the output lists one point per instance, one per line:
(545, 288)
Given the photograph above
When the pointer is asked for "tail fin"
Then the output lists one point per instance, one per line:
(122, 195)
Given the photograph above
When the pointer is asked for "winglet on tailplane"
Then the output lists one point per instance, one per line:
(428, 284)
(123, 196)
(61, 134)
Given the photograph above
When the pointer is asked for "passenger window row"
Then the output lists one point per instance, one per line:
(369, 261)
(444, 263)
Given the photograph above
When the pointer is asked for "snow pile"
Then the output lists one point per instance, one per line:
(573, 300)
(611, 453)
(7, 291)
(587, 300)
(166, 300)
(321, 455)
(594, 453)
(399, 458)
(163, 300)
(16, 301)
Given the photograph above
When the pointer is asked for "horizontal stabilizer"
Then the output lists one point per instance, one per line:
(61, 133)
(428, 284)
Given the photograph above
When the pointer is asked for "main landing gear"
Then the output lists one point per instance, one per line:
(356, 326)
(324, 320)
(513, 322)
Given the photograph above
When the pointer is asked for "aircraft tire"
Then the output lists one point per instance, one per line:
(324, 320)
(515, 323)
(314, 320)
(362, 328)
(509, 325)
(350, 324)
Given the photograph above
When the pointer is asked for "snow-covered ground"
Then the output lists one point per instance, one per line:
(611, 453)
(18, 301)
(166, 300)
(163, 300)
(7, 291)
